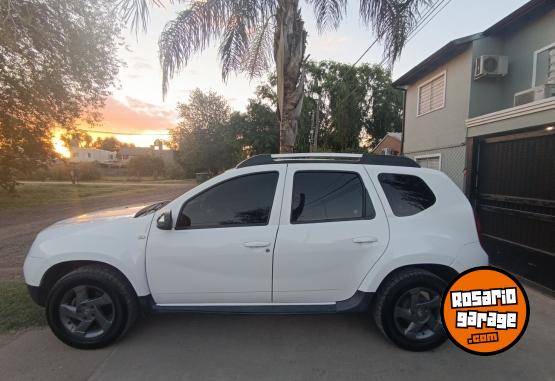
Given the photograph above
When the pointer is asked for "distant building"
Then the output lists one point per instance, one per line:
(126, 153)
(156, 150)
(389, 145)
(79, 154)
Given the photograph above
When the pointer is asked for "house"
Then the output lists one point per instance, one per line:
(127, 153)
(79, 154)
(156, 150)
(389, 145)
(482, 110)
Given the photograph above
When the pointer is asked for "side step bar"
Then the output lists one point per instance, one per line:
(359, 302)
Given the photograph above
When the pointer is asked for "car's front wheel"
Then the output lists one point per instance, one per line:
(91, 307)
(407, 309)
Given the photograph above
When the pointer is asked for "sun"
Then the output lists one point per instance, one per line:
(59, 145)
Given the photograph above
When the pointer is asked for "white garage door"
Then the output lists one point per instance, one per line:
(432, 162)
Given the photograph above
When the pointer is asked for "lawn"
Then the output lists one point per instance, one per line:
(47, 194)
(18, 310)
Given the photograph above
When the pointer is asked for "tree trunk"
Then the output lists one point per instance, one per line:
(289, 49)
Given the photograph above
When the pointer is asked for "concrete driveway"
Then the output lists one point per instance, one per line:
(317, 347)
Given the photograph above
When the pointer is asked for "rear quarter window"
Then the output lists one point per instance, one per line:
(407, 194)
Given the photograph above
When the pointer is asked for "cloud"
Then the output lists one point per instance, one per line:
(142, 65)
(150, 108)
(136, 116)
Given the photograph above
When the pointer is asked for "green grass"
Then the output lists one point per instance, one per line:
(28, 195)
(17, 310)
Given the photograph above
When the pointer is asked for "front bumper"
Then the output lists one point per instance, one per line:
(35, 293)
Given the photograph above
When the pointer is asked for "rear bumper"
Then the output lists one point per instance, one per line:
(470, 256)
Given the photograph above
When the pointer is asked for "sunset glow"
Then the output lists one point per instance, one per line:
(144, 139)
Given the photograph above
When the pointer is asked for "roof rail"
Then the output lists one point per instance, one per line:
(343, 158)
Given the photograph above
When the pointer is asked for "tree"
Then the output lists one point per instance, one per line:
(57, 62)
(203, 139)
(77, 138)
(351, 100)
(257, 130)
(253, 32)
(110, 143)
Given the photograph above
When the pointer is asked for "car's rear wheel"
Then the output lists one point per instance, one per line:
(91, 307)
(407, 309)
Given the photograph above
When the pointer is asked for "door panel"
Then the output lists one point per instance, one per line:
(204, 262)
(325, 261)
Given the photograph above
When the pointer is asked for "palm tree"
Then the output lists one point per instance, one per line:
(254, 34)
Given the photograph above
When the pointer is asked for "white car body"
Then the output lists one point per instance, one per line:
(278, 264)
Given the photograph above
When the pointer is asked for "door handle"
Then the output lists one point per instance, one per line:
(257, 244)
(365, 240)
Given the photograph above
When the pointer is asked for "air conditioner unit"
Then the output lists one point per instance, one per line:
(534, 94)
(491, 66)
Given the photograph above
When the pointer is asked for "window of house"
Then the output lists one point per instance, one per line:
(89, 155)
(429, 161)
(431, 95)
(241, 201)
(323, 196)
(544, 66)
(407, 194)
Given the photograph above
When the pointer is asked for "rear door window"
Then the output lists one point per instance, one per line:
(407, 194)
(322, 196)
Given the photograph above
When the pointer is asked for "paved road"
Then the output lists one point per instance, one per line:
(18, 227)
(317, 347)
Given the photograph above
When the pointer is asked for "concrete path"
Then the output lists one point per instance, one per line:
(324, 347)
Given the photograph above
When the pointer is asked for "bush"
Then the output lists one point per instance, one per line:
(40, 174)
(87, 171)
(146, 166)
(176, 172)
(59, 171)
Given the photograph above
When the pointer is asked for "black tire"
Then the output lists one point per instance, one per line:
(116, 302)
(401, 320)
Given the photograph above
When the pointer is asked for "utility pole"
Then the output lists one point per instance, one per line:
(315, 124)
(311, 133)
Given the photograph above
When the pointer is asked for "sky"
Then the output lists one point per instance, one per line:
(136, 105)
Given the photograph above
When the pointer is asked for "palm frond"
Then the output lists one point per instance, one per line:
(137, 11)
(392, 21)
(190, 32)
(234, 46)
(259, 56)
(329, 13)
(193, 30)
(235, 39)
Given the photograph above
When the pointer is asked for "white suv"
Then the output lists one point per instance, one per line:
(299, 233)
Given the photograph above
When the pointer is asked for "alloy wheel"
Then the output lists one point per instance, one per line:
(417, 313)
(87, 311)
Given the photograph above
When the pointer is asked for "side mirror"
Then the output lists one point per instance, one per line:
(164, 221)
